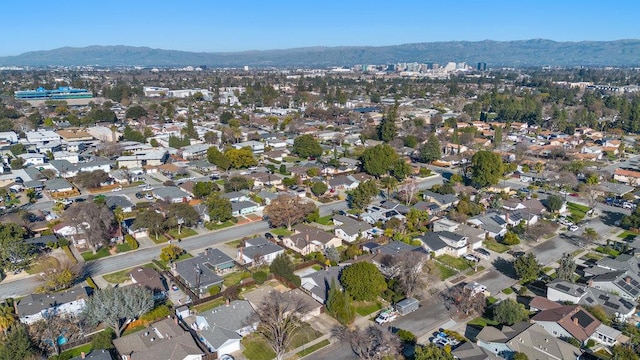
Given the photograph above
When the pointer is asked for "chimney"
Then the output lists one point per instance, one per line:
(590, 283)
(227, 302)
(628, 279)
(83, 355)
(575, 320)
(175, 320)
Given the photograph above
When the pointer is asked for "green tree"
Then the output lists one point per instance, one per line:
(130, 134)
(519, 355)
(590, 234)
(241, 158)
(225, 117)
(7, 318)
(497, 136)
(417, 220)
(170, 253)
(283, 266)
(318, 188)
(527, 267)
(220, 209)
(486, 168)
(387, 130)
(151, 220)
(554, 203)
(431, 150)
(202, 189)
(236, 183)
(361, 196)
(431, 352)
(15, 253)
(567, 268)
(509, 312)
(624, 352)
(510, 238)
(218, 159)
(379, 160)
(339, 304)
(17, 344)
(17, 149)
(363, 281)
(401, 170)
(183, 211)
(136, 112)
(306, 146)
(389, 183)
(411, 141)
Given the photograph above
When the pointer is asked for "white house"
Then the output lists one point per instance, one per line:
(349, 229)
(35, 307)
(256, 146)
(32, 159)
(66, 155)
(42, 136)
(259, 250)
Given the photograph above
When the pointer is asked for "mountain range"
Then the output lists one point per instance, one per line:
(521, 53)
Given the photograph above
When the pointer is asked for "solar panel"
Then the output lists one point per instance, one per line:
(611, 305)
(563, 287)
(589, 300)
(603, 297)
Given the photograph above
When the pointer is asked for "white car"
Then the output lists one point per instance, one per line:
(471, 257)
(386, 316)
(148, 197)
(573, 228)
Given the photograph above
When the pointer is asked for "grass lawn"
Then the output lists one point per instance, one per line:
(313, 348)
(184, 232)
(491, 300)
(256, 349)
(182, 257)
(303, 336)
(235, 278)
(325, 220)
(364, 308)
(482, 322)
(89, 255)
(316, 267)
(209, 305)
(445, 272)
(593, 256)
(281, 231)
(124, 247)
(578, 212)
(40, 266)
(76, 352)
(161, 238)
(458, 263)
(495, 246)
(118, 277)
(214, 226)
(508, 291)
(627, 236)
(233, 244)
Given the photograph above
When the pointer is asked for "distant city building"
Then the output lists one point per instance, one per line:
(482, 66)
(61, 93)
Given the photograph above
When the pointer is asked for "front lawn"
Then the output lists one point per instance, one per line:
(482, 322)
(578, 212)
(305, 334)
(325, 220)
(184, 232)
(160, 240)
(365, 308)
(445, 272)
(75, 352)
(89, 255)
(495, 246)
(313, 348)
(117, 277)
(216, 226)
(234, 244)
(281, 231)
(182, 257)
(628, 236)
(235, 278)
(458, 263)
(256, 349)
(124, 247)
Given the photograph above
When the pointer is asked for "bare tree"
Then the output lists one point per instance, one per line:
(45, 332)
(410, 188)
(116, 307)
(95, 221)
(287, 210)
(412, 270)
(461, 299)
(278, 318)
(370, 343)
(57, 274)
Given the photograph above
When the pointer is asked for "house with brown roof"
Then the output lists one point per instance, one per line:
(629, 177)
(161, 340)
(150, 279)
(573, 321)
(307, 239)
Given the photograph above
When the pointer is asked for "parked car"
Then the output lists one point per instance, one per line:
(268, 236)
(483, 252)
(573, 228)
(174, 287)
(226, 357)
(386, 316)
(139, 195)
(471, 257)
(148, 197)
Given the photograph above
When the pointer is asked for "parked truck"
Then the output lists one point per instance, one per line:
(407, 305)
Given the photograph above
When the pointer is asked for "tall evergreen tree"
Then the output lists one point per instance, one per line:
(430, 151)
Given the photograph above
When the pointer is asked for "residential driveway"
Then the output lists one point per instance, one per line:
(551, 250)
(431, 315)
(304, 272)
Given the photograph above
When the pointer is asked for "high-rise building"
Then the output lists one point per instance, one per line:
(482, 66)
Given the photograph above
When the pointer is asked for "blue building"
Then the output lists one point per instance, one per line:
(61, 93)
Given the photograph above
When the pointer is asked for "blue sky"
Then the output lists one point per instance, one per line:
(238, 25)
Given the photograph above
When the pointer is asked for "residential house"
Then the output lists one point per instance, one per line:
(349, 229)
(534, 206)
(573, 321)
(474, 235)
(150, 279)
(620, 275)
(195, 151)
(222, 328)
(201, 272)
(267, 196)
(444, 201)
(384, 253)
(236, 196)
(343, 182)
(203, 211)
(58, 185)
(307, 239)
(308, 310)
(143, 158)
(35, 307)
(101, 354)
(73, 232)
(256, 146)
(262, 179)
(120, 176)
(171, 194)
(41, 137)
(259, 251)
(317, 284)
(373, 214)
(491, 223)
(120, 201)
(32, 159)
(447, 242)
(470, 351)
(244, 207)
(629, 177)
(164, 339)
(527, 338)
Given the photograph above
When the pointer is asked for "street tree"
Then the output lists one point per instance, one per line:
(15, 253)
(510, 238)
(318, 188)
(116, 307)
(461, 299)
(509, 312)
(431, 150)
(387, 130)
(363, 281)
(361, 196)
(287, 210)
(554, 203)
(486, 168)
(401, 170)
(136, 112)
(220, 209)
(170, 253)
(379, 160)
(17, 344)
(567, 268)
(7, 318)
(431, 352)
(340, 305)
(241, 158)
(278, 318)
(590, 235)
(183, 214)
(218, 158)
(57, 274)
(306, 146)
(527, 267)
(95, 220)
(151, 220)
(237, 183)
(371, 342)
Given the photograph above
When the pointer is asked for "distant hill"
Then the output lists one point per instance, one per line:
(523, 53)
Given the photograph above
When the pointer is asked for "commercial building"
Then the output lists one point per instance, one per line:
(61, 93)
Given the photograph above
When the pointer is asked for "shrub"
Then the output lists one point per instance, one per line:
(131, 241)
(103, 339)
(260, 277)
(591, 343)
(161, 311)
(214, 290)
(91, 283)
(407, 336)
(63, 242)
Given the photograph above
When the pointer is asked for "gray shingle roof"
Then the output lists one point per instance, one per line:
(206, 264)
(35, 303)
(258, 247)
